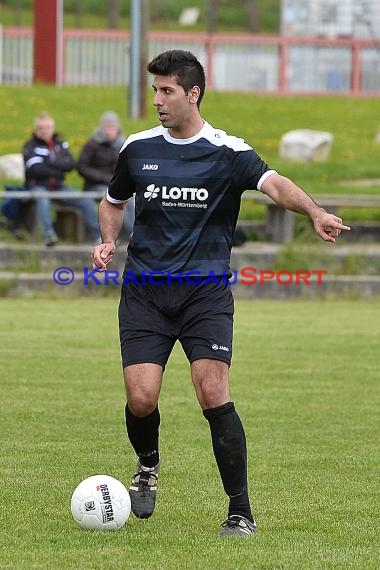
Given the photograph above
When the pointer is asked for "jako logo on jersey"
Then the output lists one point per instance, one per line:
(175, 193)
(150, 167)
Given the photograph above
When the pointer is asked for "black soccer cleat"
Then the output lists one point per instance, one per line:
(236, 525)
(143, 491)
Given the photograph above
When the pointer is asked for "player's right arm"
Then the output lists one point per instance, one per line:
(111, 212)
(111, 218)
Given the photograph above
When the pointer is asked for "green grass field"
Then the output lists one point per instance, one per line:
(305, 379)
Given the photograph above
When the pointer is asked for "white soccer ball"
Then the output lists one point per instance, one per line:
(101, 502)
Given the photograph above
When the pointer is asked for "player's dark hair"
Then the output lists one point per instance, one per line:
(184, 66)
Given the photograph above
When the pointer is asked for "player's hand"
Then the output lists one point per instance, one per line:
(102, 254)
(329, 226)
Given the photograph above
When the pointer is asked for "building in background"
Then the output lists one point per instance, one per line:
(331, 18)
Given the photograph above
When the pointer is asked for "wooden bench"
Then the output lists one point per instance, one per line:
(69, 222)
(280, 223)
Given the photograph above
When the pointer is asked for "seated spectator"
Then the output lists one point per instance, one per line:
(98, 159)
(47, 159)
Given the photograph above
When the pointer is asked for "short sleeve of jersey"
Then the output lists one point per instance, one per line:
(121, 186)
(248, 169)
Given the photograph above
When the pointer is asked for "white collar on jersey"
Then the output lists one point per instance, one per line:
(190, 140)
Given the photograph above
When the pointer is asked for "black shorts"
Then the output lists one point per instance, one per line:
(152, 317)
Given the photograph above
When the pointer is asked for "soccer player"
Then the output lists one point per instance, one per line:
(187, 178)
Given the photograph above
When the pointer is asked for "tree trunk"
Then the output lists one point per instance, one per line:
(212, 15)
(18, 12)
(113, 14)
(252, 10)
(78, 13)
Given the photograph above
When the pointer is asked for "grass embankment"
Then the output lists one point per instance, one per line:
(260, 119)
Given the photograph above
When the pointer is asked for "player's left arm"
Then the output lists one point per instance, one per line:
(290, 196)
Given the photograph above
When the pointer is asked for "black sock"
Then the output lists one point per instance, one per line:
(143, 435)
(229, 445)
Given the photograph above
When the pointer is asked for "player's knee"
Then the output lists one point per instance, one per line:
(141, 404)
(213, 392)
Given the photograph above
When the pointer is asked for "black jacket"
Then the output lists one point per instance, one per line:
(98, 159)
(46, 165)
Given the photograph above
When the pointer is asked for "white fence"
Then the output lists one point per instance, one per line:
(232, 62)
(331, 18)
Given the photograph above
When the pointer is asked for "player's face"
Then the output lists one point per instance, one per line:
(176, 109)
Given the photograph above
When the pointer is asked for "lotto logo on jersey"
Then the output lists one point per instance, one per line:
(175, 193)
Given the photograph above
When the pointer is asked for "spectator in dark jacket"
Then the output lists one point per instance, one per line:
(47, 160)
(98, 159)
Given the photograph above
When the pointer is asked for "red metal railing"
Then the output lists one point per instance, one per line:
(245, 62)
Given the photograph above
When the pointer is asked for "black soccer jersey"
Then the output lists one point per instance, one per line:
(188, 194)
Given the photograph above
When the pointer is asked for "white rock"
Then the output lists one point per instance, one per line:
(189, 16)
(306, 145)
(12, 166)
